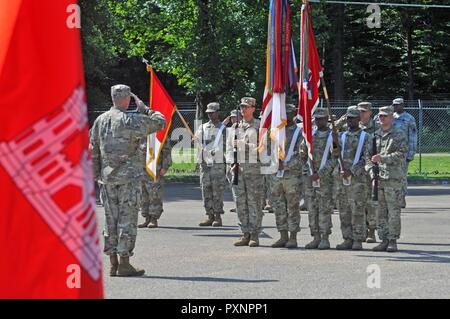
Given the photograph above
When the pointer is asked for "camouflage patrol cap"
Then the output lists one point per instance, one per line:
(233, 113)
(386, 110)
(320, 113)
(248, 101)
(212, 107)
(352, 111)
(120, 90)
(365, 106)
(291, 108)
(398, 101)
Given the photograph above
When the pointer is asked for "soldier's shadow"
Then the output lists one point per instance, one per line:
(423, 256)
(208, 279)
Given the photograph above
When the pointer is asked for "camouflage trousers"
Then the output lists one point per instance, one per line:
(405, 165)
(152, 192)
(212, 181)
(371, 208)
(286, 193)
(121, 215)
(388, 219)
(248, 201)
(352, 201)
(320, 206)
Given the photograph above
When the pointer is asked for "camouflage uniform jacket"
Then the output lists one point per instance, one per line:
(392, 146)
(115, 140)
(319, 142)
(407, 124)
(295, 163)
(206, 135)
(247, 135)
(349, 153)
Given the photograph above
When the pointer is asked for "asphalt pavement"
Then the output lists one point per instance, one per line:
(183, 260)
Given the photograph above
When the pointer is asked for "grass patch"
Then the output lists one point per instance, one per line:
(434, 166)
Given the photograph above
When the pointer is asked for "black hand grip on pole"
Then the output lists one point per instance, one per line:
(235, 151)
(376, 171)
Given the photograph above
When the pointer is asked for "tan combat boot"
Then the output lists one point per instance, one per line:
(254, 240)
(207, 222)
(357, 245)
(114, 265)
(314, 243)
(371, 236)
(145, 224)
(382, 247)
(127, 270)
(392, 247)
(217, 221)
(324, 243)
(243, 241)
(292, 243)
(346, 245)
(153, 222)
(282, 241)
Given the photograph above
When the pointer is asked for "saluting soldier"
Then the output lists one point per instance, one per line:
(117, 162)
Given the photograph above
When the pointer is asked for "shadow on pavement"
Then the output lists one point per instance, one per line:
(428, 192)
(425, 244)
(423, 256)
(201, 228)
(210, 279)
(263, 235)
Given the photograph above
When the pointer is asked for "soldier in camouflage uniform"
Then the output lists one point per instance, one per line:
(250, 181)
(407, 123)
(287, 185)
(369, 125)
(354, 144)
(233, 119)
(212, 166)
(114, 141)
(392, 147)
(152, 191)
(319, 197)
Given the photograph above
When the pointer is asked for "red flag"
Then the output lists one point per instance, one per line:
(310, 74)
(48, 228)
(159, 101)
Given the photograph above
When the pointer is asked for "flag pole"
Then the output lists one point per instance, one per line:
(186, 125)
(333, 125)
(149, 68)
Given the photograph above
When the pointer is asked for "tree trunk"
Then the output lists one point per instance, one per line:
(410, 63)
(409, 27)
(338, 54)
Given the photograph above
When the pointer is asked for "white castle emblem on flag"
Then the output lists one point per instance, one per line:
(36, 162)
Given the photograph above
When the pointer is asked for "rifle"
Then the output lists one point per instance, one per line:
(235, 151)
(376, 171)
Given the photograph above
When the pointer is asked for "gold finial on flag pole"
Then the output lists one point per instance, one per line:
(144, 60)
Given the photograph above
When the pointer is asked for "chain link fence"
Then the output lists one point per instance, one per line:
(432, 119)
